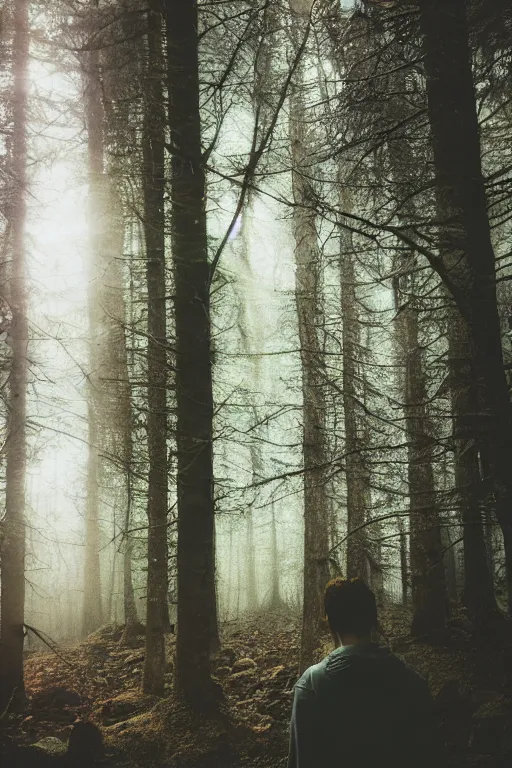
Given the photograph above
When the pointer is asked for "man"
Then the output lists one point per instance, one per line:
(361, 707)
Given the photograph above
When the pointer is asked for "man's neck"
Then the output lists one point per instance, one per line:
(349, 640)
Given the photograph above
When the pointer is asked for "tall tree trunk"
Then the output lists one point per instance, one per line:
(194, 396)
(478, 584)
(467, 258)
(308, 302)
(154, 233)
(132, 625)
(114, 404)
(427, 572)
(92, 611)
(404, 567)
(250, 338)
(250, 577)
(131, 619)
(357, 479)
(275, 592)
(426, 560)
(12, 602)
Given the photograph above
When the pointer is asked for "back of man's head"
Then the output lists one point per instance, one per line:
(350, 607)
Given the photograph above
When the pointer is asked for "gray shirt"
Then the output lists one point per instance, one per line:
(361, 707)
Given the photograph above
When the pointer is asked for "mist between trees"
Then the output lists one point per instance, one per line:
(255, 317)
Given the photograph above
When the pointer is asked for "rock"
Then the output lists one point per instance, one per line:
(51, 745)
(55, 698)
(122, 707)
(244, 664)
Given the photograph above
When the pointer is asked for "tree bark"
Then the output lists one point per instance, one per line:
(154, 233)
(467, 258)
(275, 592)
(250, 577)
(428, 584)
(428, 578)
(92, 609)
(404, 566)
(12, 602)
(478, 583)
(356, 472)
(308, 303)
(194, 396)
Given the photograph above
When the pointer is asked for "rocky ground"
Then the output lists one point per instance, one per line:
(99, 679)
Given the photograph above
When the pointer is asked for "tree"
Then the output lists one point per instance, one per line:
(357, 476)
(92, 608)
(478, 583)
(197, 629)
(428, 585)
(157, 370)
(467, 260)
(12, 605)
(308, 303)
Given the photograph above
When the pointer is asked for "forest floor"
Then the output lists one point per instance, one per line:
(257, 666)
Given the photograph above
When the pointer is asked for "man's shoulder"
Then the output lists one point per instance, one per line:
(310, 679)
(313, 678)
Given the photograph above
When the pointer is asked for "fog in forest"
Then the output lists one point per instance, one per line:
(255, 335)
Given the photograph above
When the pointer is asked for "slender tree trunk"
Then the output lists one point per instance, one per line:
(229, 589)
(357, 479)
(132, 624)
(154, 232)
(428, 578)
(467, 257)
(194, 397)
(249, 338)
(12, 603)
(92, 610)
(308, 302)
(275, 593)
(114, 396)
(250, 578)
(404, 568)
(238, 572)
(450, 567)
(426, 559)
(478, 584)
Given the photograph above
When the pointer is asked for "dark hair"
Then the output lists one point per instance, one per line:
(350, 607)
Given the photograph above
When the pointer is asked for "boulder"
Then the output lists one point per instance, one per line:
(243, 664)
(51, 745)
(55, 698)
(122, 707)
